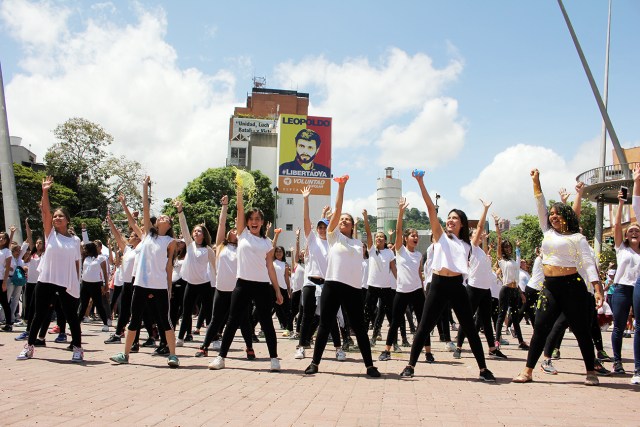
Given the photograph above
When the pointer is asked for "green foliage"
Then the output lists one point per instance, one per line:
(588, 219)
(201, 198)
(527, 231)
(95, 231)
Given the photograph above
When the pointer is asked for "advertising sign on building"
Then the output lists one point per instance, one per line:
(305, 154)
(243, 127)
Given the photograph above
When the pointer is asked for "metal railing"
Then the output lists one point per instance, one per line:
(610, 173)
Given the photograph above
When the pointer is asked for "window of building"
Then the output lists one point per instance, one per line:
(289, 227)
(238, 156)
(289, 200)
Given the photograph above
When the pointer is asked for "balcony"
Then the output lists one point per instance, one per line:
(614, 178)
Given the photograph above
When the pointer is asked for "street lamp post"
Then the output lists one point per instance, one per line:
(275, 208)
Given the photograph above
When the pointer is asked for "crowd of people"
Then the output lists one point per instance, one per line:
(337, 285)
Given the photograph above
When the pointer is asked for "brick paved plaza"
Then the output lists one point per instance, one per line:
(51, 390)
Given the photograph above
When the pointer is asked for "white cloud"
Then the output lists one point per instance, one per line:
(126, 78)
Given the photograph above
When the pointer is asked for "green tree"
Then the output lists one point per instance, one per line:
(588, 219)
(124, 177)
(528, 232)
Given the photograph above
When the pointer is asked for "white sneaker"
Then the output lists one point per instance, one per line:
(86, 320)
(300, 353)
(179, 343)
(635, 379)
(109, 322)
(275, 364)
(78, 354)
(341, 356)
(105, 328)
(217, 363)
(19, 323)
(215, 346)
(450, 346)
(26, 353)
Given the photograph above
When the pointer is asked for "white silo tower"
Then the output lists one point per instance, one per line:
(389, 192)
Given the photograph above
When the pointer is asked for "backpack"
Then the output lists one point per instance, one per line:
(19, 277)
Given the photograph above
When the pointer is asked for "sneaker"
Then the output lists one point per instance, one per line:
(454, 326)
(406, 343)
(251, 354)
(626, 334)
(26, 353)
(275, 365)
(7, 328)
(286, 333)
(261, 334)
(429, 358)
(40, 343)
(120, 358)
(523, 346)
(195, 332)
(255, 338)
(378, 337)
(407, 372)
(591, 380)
(503, 341)
(54, 330)
(150, 342)
(601, 370)
(450, 346)
(548, 368)
(61, 338)
(109, 322)
(311, 369)
(341, 356)
(202, 352)
(78, 354)
(603, 356)
(173, 361)
(384, 356)
(19, 323)
(113, 339)
(300, 353)
(215, 346)
(372, 341)
(457, 353)
(555, 354)
(23, 336)
(396, 348)
(635, 379)
(105, 328)
(135, 347)
(373, 372)
(497, 354)
(86, 320)
(295, 336)
(618, 369)
(217, 363)
(188, 338)
(69, 347)
(162, 350)
(487, 376)
(179, 343)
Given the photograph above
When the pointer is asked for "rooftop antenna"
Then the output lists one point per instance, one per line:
(259, 82)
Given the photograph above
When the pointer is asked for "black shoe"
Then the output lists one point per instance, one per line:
(373, 372)
(406, 343)
(40, 343)
(311, 369)
(497, 354)
(113, 339)
(601, 370)
(150, 342)
(135, 347)
(487, 376)
(618, 369)
(523, 346)
(407, 372)
(188, 338)
(255, 338)
(69, 347)
(429, 358)
(457, 353)
(7, 328)
(385, 355)
(162, 350)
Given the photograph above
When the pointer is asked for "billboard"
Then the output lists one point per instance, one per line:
(305, 154)
(242, 128)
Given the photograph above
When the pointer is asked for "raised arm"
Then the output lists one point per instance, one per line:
(240, 223)
(184, 227)
(276, 236)
(618, 237)
(85, 235)
(477, 237)
(436, 228)
(367, 228)
(402, 206)
(146, 208)
(121, 242)
(496, 218)
(306, 191)
(45, 206)
(577, 204)
(635, 201)
(337, 212)
(29, 238)
(222, 220)
(130, 219)
(296, 252)
(541, 204)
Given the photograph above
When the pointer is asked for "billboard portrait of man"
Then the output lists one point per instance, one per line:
(308, 144)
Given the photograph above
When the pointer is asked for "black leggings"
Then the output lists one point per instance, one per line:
(442, 290)
(117, 291)
(334, 295)
(29, 304)
(261, 294)
(566, 295)
(93, 291)
(554, 341)
(204, 291)
(44, 295)
(385, 295)
(295, 309)
(308, 324)
(400, 303)
(4, 302)
(177, 299)
(283, 311)
(125, 307)
(530, 305)
(158, 300)
(221, 305)
(509, 298)
(480, 300)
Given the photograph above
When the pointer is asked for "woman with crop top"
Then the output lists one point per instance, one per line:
(409, 285)
(564, 252)
(342, 285)
(450, 264)
(626, 293)
(200, 260)
(478, 287)
(152, 280)
(59, 275)
(94, 282)
(256, 281)
(510, 294)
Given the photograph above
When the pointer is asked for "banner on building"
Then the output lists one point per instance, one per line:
(305, 154)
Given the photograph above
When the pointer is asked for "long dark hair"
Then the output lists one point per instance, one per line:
(90, 250)
(284, 254)
(247, 215)
(206, 241)
(503, 245)
(464, 229)
(567, 213)
(153, 231)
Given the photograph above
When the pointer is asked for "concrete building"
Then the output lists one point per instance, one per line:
(23, 156)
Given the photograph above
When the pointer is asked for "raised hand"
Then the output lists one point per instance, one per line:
(636, 173)
(486, 205)
(298, 233)
(403, 204)
(535, 174)
(579, 188)
(47, 183)
(306, 191)
(341, 179)
(178, 205)
(277, 231)
(564, 195)
(224, 200)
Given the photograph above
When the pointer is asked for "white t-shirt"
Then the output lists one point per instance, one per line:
(628, 266)
(428, 263)
(196, 263)
(365, 273)
(408, 268)
(280, 268)
(537, 275)
(5, 254)
(316, 265)
(496, 286)
(32, 268)
(252, 257)
(480, 274)
(298, 278)
(58, 263)
(380, 275)
(227, 268)
(128, 263)
(523, 279)
(451, 253)
(151, 271)
(92, 270)
(176, 273)
(345, 259)
(117, 277)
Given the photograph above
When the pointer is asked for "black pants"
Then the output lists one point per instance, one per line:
(283, 311)
(241, 297)
(93, 291)
(530, 305)
(447, 289)
(158, 300)
(113, 304)
(204, 315)
(204, 291)
(400, 303)
(6, 308)
(221, 306)
(177, 299)
(385, 295)
(509, 298)
(45, 294)
(334, 295)
(309, 321)
(566, 295)
(480, 302)
(125, 307)
(295, 309)
(29, 304)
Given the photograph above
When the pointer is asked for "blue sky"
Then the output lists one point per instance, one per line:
(475, 92)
